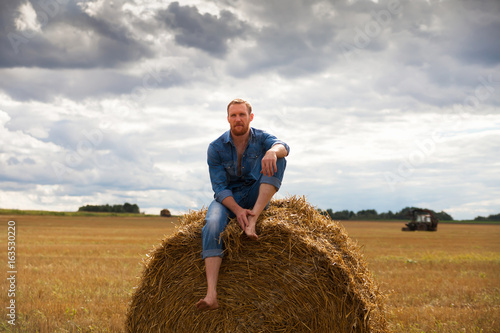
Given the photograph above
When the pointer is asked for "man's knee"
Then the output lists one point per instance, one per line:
(277, 178)
(281, 164)
(216, 218)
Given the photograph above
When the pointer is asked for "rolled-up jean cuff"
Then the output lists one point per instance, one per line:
(271, 180)
(212, 253)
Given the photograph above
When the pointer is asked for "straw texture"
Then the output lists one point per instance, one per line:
(303, 274)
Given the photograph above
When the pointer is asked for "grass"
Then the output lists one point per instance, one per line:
(76, 273)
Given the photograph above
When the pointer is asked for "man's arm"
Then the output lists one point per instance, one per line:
(223, 194)
(218, 176)
(269, 166)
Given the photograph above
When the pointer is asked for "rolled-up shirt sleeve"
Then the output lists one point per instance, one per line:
(270, 140)
(218, 175)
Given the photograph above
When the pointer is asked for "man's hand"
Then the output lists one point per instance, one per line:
(242, 217)
(269, 166)
(240, 212)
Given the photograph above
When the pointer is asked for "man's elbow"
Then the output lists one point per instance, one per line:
(283, 151)
(280, 150)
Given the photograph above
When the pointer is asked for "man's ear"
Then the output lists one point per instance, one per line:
(251, 116)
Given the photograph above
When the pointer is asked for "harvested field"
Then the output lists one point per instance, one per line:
(304, 274)
(77, 274)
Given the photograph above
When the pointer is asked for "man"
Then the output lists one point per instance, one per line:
(246, 168)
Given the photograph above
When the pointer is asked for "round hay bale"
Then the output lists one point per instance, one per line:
(165, 213)
(303, 274)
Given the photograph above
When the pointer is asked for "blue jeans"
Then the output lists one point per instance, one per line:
(219, 215)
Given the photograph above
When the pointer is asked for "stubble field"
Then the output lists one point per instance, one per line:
(76, 274)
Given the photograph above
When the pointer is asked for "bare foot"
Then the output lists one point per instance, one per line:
(250, 229)
(207, 304)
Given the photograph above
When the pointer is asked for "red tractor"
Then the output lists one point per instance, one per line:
(421, 220)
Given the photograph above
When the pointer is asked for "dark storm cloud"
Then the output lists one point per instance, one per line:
(474, 27)
(298, 37)
(463, 30)
(481, 45)
(206, 32)
(69, 38)
(442, 41)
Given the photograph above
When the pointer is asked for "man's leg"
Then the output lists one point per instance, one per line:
(268, 187)
(215, 222)
(266, 192)
(212, 266)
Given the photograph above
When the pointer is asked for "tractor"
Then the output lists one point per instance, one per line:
(421, 220)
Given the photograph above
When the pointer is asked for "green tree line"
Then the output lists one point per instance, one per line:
(495, 217)
(125, 208)
(371, 214)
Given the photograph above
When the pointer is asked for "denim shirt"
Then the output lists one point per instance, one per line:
(223, 162)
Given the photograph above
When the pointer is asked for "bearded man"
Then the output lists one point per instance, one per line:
(246, 168)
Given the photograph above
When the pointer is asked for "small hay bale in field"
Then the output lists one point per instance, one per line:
(303, 274)
(165, 213)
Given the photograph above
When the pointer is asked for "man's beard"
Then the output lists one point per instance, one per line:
(239, 131)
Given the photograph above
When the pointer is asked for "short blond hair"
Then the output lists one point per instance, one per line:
(240, 101)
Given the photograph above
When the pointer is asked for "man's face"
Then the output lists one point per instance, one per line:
(239, 119)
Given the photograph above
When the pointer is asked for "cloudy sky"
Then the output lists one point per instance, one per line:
(385, 104)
